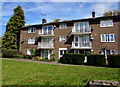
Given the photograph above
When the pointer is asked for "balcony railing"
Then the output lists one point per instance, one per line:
(81, 45)
(81, 31)
(46, 33)
(45, 45)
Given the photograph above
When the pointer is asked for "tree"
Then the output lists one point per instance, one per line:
(111, 13)
(11, 36)
(56, 20)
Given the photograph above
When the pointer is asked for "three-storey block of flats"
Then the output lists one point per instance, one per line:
(95, 35)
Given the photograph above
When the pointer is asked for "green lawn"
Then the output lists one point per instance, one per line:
(27, 73)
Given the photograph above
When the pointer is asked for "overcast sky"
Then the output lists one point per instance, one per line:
(54, 10)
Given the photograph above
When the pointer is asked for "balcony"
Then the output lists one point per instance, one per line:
(76, 45)
(43, 45)
(46, 33)
(80, 31)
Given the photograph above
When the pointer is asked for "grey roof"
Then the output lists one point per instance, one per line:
(85, 19)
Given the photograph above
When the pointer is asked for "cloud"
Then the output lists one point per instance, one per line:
(59, 0)
(100, 8)
(7, 8)
(53, 10)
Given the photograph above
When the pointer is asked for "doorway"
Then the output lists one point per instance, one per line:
(62, 51)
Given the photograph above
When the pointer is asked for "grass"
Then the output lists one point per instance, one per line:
(28, 73)
(0, 54)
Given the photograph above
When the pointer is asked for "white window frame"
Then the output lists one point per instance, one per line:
(82, 26)
(63, 49)
(102, 52)
(47, 29)
(61, 39)
(82, 40)
(104, 22)
(111, 52)
(30, 41)
(109, 35)
(51, 41)
(49, 53)
(60, 26)
(30, 29)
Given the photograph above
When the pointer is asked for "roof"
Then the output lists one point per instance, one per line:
(86, 19)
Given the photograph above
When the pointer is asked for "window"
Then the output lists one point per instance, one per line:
(62, 26)
(46, 53)
(47, 40)
(106, 23)
(109, 52)
(31, 40)
(47, 30)
(82, 27)
(112, 52)
(62, 38)
(76, 51)
(32, 30)
(107, 38)
(81, 41)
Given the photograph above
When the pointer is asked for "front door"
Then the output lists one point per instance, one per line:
(62, 51)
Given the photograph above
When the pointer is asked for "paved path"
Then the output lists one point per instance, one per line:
(53, 63)
(29, 60)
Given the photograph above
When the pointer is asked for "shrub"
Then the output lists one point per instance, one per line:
(46, 58)
(52, 59)
(10, 53)
(63, 59)
(27, 57)
(43, 59)
(114, 61)
(96, 60)
(71, 58)
(33, 53)
(79, 59)
(19, 56)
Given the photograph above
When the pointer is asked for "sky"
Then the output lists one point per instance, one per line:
(59, 9)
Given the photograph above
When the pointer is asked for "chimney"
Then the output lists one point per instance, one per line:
(44, 21)
(93, 14)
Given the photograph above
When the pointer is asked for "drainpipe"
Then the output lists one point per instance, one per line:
(105, 54)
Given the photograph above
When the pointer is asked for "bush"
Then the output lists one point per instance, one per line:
(52, 59)
(79, 59)
(46, 58)
(43, 59)
(114, 61)
(70, 58)
(27, 57)
(23, 56)
(10, 53)
(96, 60)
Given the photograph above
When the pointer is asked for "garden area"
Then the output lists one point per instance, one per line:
(69, 58)
(28, 73)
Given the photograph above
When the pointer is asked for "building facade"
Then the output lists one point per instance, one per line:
(92, 36)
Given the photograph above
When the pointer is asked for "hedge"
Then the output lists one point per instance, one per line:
(12, 53)
(96, 60)
(70, 58)
(114, 61)
(9, 53)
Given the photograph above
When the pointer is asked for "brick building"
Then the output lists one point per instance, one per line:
(95, 35)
